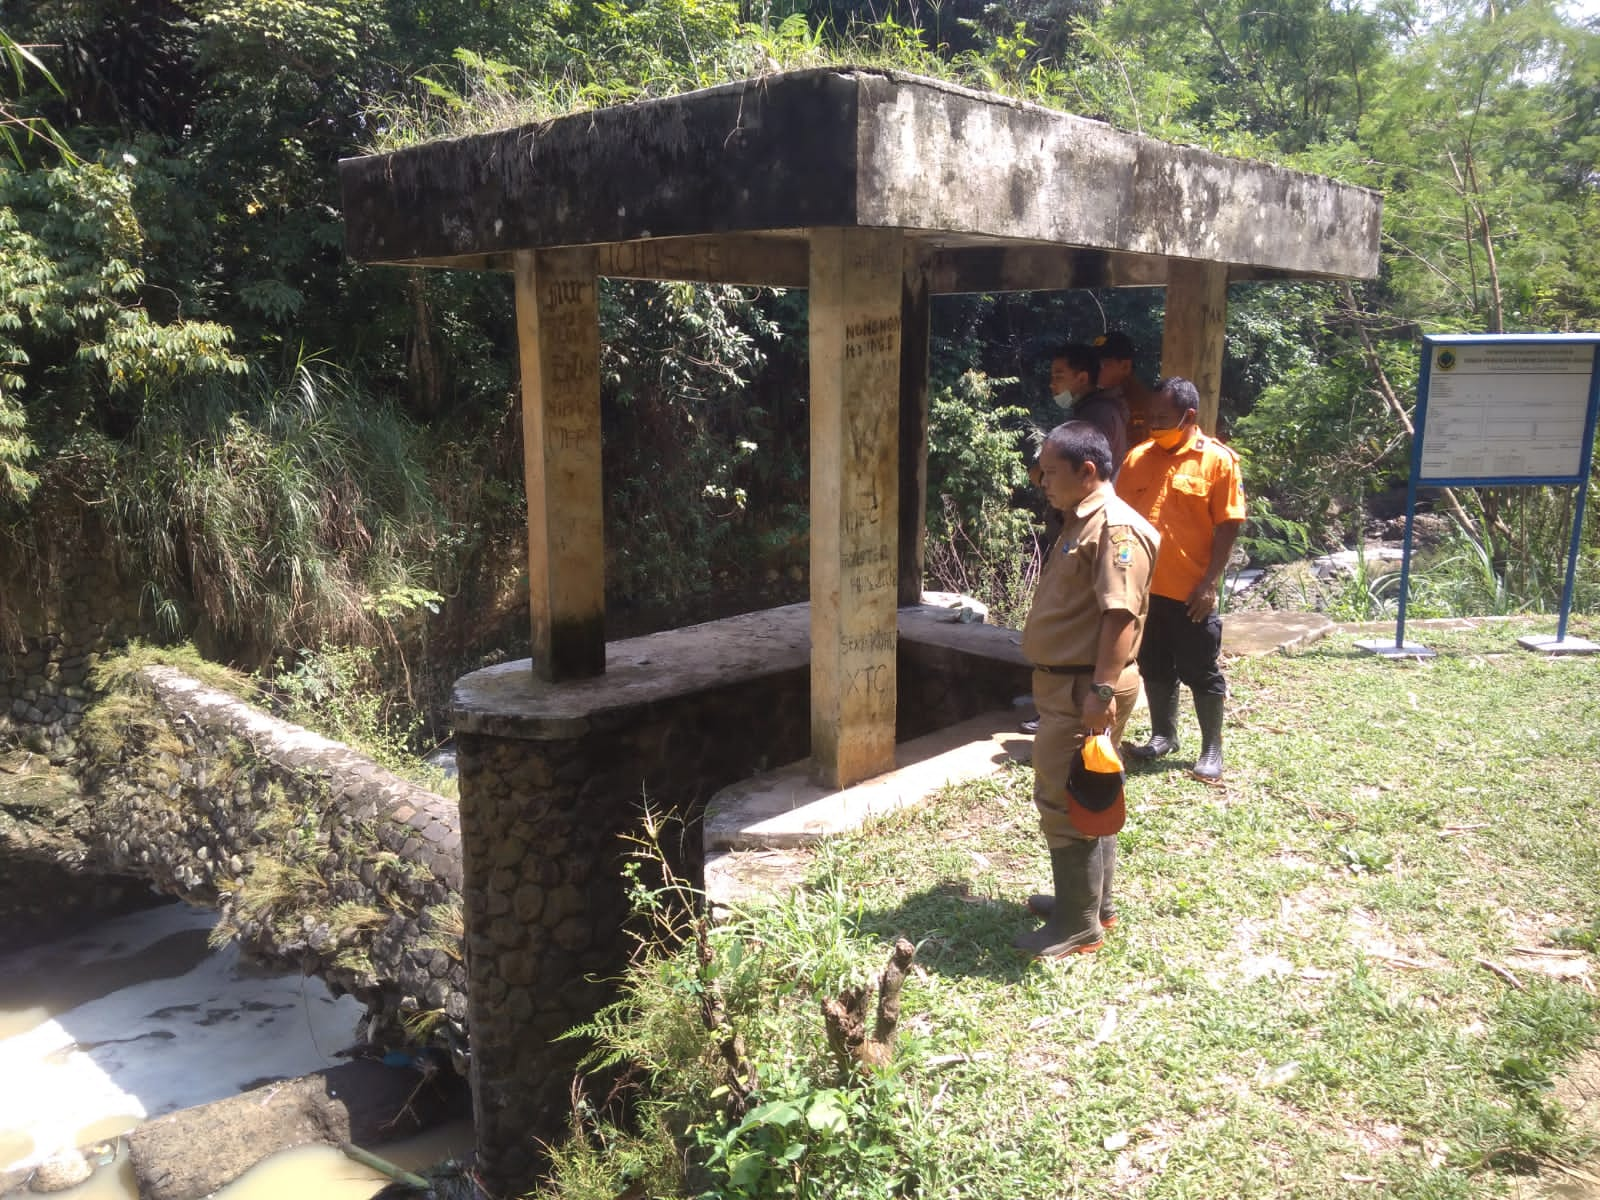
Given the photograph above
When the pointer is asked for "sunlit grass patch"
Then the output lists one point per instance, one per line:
(1360, 967)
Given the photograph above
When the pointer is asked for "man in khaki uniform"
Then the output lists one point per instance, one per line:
(1082, 637)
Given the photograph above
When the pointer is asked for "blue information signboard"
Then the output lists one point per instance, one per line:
(1503, 410)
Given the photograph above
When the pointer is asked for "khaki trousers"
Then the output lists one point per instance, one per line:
(1059, 699)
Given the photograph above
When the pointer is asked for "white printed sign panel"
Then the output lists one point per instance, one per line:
(1505, 412)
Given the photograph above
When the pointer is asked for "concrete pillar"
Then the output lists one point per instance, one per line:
(914, 336)
(1192, 336)
(558, 344)
(856, 281)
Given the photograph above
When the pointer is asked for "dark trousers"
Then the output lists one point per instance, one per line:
(1175, 647)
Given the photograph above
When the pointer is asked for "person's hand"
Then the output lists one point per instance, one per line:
(1097, 714)
(1201, 601)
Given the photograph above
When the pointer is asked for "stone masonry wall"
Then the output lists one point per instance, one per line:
(315, 856)
(544, 825)
(50, 643)
(950, 673)
(554, 778)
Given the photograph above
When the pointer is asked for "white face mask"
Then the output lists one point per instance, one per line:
(1063, 399)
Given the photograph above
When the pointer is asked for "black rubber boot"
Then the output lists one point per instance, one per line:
(1208, 766)
(1073, 926)
(1042, 904)
(1163, 701)
(1108, 867)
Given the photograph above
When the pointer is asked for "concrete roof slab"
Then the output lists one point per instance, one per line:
(777, 153)
(852, 147)
(934, 156)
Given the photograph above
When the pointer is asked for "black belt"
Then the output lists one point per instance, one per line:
(1073, 670)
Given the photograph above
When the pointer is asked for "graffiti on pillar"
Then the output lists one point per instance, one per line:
(876, 337)
(869, 571)
(569, 344)
(571, 347)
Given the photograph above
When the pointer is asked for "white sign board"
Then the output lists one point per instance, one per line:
(1505, 412)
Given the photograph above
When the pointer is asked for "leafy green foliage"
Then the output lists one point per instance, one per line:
(975, 462)
(1327, 420)
(201, 234)
(1269, 538)
(575, 58)
(336, 690)
(19, 60)
(980, 542)
(799, 1127)
(703, 471)
(1469, 151)
(75, 343)
(803, 1142)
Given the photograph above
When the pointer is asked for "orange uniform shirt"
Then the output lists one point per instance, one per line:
(1185, 493)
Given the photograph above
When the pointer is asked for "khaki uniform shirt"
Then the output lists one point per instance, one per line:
(1101, 562)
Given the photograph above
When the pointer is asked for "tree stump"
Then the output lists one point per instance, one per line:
(846, 1017)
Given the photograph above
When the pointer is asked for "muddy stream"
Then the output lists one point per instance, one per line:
(135, 1018)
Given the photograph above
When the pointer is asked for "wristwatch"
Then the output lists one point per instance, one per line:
(1104, 690)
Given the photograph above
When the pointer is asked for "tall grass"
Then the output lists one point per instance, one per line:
(1460, 578)
(273, 511)
(663, 48)
(1520, 566)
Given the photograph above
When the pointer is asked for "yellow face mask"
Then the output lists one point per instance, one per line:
(1169, 439)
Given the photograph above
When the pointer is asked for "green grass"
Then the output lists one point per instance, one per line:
(333, 690)
(495, 96)
(119, 672)
(1293, 1004)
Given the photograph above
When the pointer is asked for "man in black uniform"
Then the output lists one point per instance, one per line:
(1117, 354)
(1075, 386)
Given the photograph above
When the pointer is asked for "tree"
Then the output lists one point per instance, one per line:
(1472, 146)
(18, 61)
(77, 350)
(16, 447)
(1285, 75)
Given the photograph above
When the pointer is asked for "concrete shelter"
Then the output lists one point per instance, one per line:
(874, 191)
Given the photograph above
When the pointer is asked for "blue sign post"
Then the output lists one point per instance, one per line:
(1503, 410)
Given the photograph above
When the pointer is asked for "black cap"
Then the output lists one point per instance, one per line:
(1116, 344)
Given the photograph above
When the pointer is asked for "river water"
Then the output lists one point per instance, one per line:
(136, 1017)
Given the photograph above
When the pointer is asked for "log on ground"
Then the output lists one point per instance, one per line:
(190, 1154)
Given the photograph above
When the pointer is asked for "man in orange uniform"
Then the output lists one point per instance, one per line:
(1082, 637)
(1187, 485)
